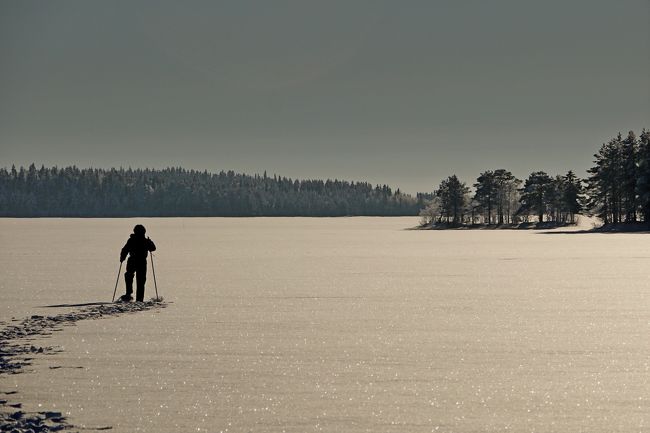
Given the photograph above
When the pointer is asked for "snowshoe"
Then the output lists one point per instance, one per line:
(124, 298)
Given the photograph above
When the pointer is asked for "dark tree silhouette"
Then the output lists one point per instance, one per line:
(537, 191)
(496, 193)
(618, 183)
(74, 192)
(571, 195)
(486, 193)
(643, 175)
(453, 197)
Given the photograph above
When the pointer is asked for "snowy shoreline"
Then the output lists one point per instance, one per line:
(582, 224)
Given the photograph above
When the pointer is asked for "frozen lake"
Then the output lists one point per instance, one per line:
(338, 325)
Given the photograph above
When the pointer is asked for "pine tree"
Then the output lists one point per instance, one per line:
(607, 180)
(536, 194)
(642, 186)
(453, 195)
(571, 190)
(629, 154)
(486, 193)
(506, 186)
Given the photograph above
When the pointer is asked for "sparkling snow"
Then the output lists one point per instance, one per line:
(336, 325)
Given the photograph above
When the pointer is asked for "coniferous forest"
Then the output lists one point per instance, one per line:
(75, 192)
(617, 190)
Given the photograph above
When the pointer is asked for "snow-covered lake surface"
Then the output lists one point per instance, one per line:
(337, 325)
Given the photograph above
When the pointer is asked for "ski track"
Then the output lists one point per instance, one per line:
(16, 353)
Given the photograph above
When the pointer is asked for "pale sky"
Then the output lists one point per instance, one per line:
(397, 92)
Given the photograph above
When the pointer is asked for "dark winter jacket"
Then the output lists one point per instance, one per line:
(137, 247)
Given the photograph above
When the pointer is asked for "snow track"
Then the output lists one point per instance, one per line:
(16, 352)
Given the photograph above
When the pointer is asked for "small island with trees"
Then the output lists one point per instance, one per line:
(617, 191)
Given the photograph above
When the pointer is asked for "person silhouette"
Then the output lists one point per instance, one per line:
(137, 248)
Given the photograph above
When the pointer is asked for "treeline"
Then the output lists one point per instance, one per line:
(617, 190)
(75, 192)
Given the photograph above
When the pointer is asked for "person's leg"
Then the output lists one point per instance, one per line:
(128, 277)
(141, 278)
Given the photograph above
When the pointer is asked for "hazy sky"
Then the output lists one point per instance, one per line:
(398, 92)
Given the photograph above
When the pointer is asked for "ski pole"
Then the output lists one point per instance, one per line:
(153, 270)
(117, 281)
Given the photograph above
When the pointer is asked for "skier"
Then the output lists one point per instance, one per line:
(137, 248)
